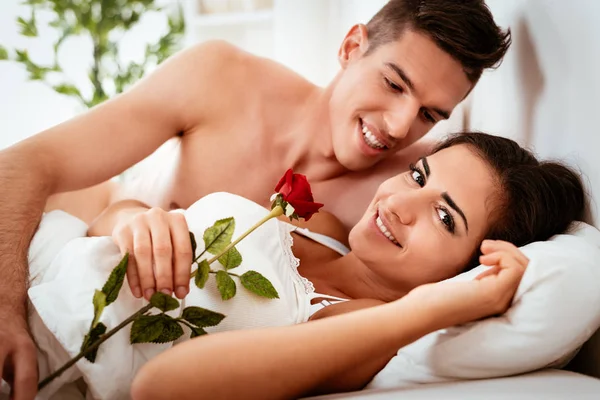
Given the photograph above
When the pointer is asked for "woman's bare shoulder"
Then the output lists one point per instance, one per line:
(327, 224)
(345, 307)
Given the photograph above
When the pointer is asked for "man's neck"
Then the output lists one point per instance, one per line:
(303, 137)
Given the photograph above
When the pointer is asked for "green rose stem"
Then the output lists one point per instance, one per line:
(275, 212)
(102, 339)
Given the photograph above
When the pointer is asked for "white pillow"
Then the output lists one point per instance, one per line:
(555, 310)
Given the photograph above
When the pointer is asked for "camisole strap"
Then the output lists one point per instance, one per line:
(325, 240)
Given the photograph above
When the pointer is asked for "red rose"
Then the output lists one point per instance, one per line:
(295, 190)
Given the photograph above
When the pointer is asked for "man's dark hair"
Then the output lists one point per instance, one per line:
(465, 29)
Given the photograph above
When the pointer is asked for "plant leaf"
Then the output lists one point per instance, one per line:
(3, 53)
(226, 285)
(28, 28)
(258, 284)
(171, 331)
(231, 259)
(202, 274)
(115, 280)
(194, 245)
(163, 302)
(65, 88)
(201, 316)
(218, 236)
(99, 304)
(90, 339)
(146, 328)
(197, 332)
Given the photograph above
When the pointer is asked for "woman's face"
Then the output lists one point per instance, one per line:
(425, 225)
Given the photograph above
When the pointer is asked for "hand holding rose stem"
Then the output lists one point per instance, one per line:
(294, 199)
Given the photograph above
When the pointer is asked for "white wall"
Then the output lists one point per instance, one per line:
(546, 93)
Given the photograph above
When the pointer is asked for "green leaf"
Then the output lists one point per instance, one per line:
(115, 280)
(258, 284)
(147, 328)
(163, 302)
(231, 259)
(22, 56)
(194, 245)
(3, 53)
(171, 331)
(202, 317)
(92, 337)
(65, 88)
(218, 236)
(99, 304)
(197, 332)
(202, 274)
(28, 28)
(226, 285)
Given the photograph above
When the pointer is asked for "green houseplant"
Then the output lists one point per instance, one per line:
(104, 22)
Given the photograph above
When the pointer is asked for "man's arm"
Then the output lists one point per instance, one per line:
(83, 152)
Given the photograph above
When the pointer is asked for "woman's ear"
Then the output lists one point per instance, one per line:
(354, 45)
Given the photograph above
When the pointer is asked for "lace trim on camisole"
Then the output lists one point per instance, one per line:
(287, 241)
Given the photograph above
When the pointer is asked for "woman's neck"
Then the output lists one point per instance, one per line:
(348, 277)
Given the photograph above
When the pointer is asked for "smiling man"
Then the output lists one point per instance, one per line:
(237, 122)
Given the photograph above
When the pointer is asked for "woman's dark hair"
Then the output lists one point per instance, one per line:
(465, 29)
(535, 200)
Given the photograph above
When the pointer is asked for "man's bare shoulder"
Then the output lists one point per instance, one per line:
(233, 76)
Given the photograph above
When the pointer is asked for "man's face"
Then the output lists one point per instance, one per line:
(384, 101)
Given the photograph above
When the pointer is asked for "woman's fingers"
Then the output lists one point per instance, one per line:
(489, 272)
(160, 253)
(142, 250)
(182, 254)
(124, 239)
(491, 246)
(162, 250)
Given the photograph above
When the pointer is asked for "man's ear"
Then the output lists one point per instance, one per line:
(355, 44)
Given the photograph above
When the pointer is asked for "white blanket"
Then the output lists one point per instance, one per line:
(67, 267)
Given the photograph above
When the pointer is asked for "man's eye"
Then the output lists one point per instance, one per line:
(417, 175)
(393, 86)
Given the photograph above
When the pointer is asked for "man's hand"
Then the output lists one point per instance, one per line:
(18, 356)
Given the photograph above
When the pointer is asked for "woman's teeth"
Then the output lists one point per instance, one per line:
(385, 231)
(371, 140)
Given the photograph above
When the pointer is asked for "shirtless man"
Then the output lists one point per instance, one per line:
(238, 122)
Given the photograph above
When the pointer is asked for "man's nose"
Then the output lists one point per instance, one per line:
(400, 119)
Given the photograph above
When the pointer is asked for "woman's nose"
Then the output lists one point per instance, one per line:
(405, 207)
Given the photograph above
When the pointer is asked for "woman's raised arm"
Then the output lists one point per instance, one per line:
(295, 361)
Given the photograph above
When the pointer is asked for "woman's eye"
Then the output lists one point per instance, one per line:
(393, 86)
(446, 219)
(417, 175)
(427, 115)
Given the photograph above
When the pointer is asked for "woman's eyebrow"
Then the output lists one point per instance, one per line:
(456, 208)
(445, 195)
(425, 166)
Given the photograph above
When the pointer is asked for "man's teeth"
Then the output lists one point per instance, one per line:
(371, 140)
(385, 231)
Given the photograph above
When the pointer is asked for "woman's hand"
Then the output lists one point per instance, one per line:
(160, 251)
(490, 293)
